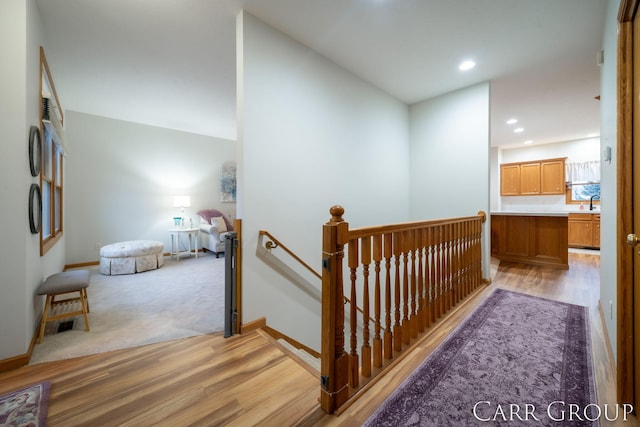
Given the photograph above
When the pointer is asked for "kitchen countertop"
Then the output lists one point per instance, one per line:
(539, 213)
(586, 212)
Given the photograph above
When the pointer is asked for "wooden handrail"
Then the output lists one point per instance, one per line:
(274, 243)
(409, 275)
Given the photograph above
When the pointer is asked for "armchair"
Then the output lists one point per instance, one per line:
(214, 226)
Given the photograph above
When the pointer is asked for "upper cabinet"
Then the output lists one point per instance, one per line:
(529, 179)
(534, 178)
(510, 180)
(552, 180)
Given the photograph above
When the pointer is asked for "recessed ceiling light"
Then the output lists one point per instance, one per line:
(466, 65)
(528, 142)
(518, 130)
(512, 121)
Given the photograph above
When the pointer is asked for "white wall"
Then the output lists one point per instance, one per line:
(449, 165)
(121, 178)
(312, 135)
(14, 191)
(20, 263)
(608, 216)
(580, 150)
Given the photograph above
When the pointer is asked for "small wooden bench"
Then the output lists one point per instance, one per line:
(64, 283)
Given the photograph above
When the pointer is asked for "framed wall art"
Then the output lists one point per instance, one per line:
(228, 182)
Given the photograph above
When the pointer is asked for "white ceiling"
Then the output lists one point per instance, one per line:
(171, 63)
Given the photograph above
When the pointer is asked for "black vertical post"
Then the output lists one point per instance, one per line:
(230, 309)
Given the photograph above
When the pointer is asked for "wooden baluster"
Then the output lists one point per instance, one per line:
(463, 292)
(397, 327)
(434, 273)
(469, 257)
(354, 371)
(467, 287)
(465, 259)
(456, 263)
(406, 326)
(449, 228)
(427, 277)
(441, 284)
(422, 305)
(413, 320)
(479, 253)
(388, 334)
(377, 340)
(453, 264)
(472, 255)
(365, 350)
(334, 367)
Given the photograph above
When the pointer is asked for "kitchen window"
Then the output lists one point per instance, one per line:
(583, 182)
(583, 192)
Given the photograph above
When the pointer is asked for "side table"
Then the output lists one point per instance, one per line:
(192, 234)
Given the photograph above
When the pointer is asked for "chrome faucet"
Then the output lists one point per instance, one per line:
(595, 196)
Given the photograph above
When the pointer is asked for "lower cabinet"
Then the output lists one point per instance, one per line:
(530, 239)
(584, 230)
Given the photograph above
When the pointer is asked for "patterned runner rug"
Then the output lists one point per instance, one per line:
(516, 360)
(25, 407)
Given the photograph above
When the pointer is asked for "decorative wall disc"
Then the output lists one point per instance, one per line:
(34, 150)
(35, 208)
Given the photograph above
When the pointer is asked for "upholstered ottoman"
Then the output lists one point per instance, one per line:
(134, 256)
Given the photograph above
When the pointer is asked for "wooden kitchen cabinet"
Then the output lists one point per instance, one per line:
(530, 239)
(510, 180)
(584, 230)
(596, 230)
(529, 179)
(534, 178)
(552, 177)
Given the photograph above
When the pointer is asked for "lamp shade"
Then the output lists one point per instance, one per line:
(181, 201)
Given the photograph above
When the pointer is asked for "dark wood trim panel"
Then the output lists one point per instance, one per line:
(627, 10)
(624, 171)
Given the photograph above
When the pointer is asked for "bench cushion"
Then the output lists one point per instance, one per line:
(66, 281)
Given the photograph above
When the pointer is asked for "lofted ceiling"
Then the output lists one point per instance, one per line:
(171, 63)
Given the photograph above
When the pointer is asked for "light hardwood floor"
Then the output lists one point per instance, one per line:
(249, 380)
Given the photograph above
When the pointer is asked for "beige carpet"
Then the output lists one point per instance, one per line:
(182, 299)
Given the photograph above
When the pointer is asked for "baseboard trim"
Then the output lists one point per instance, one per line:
(279, 335)
(261, 322)
(81, 264)
(23, 359)
(14, 362)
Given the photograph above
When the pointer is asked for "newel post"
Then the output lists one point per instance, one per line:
(334, 370)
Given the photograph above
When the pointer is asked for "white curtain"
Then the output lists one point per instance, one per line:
(583, 171)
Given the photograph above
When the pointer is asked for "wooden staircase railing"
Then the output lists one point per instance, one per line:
(421, 270)
(273, 243)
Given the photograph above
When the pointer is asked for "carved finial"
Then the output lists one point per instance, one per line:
(483, 215)
(336, 213)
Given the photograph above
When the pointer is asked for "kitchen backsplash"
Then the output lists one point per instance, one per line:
(540, 204)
